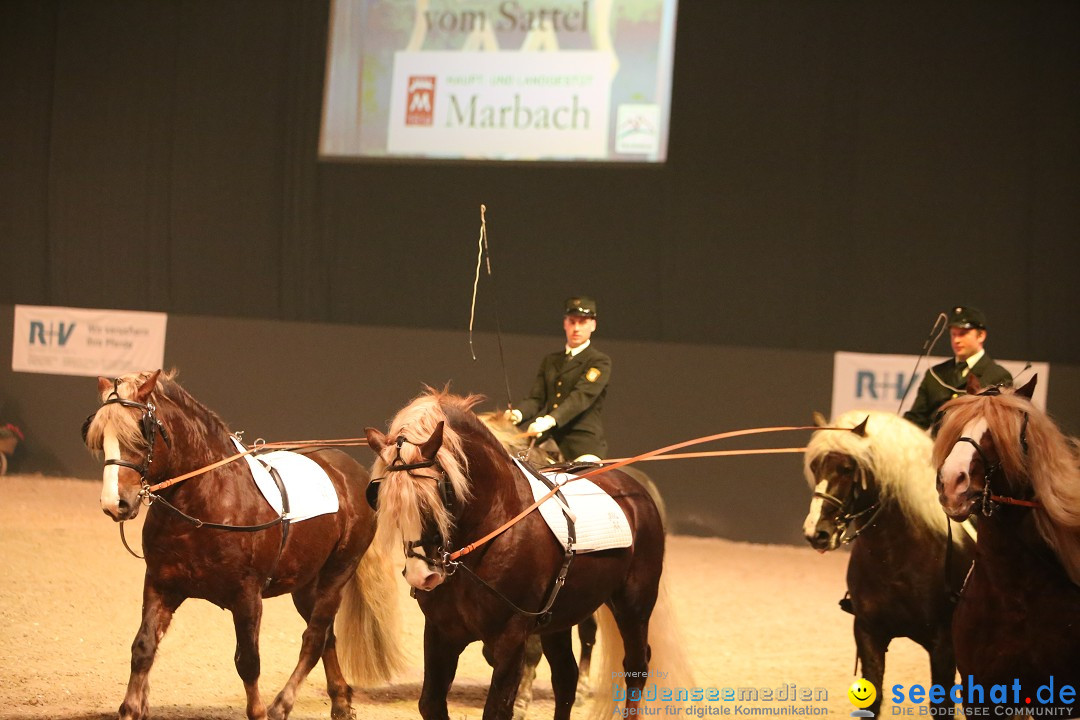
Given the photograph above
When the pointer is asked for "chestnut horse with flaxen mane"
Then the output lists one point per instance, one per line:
(445, 482)
(874, 488)
(1018, 620)
(215, 537)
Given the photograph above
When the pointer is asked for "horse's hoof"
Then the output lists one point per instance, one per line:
(342, 714)
(127, 712)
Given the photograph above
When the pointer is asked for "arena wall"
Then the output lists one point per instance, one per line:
(290, 381)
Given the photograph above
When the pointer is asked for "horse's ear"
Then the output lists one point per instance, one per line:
(147, 387)
(1028, 388)
(860, 429)
(103, 384)
(819, 419)
(375, 439)
(973, 385)
(433, 443)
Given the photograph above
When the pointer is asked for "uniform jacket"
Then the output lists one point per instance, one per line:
(925, 411)
(572, 391)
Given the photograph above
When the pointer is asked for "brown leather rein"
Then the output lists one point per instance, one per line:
(260, 447)
(664, 453)
(651, 455)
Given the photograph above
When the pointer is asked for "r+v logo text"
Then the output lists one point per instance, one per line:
(882, 386)
(47, 334)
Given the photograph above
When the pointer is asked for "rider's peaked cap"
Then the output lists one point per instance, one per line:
(581, 305)
(967, 317)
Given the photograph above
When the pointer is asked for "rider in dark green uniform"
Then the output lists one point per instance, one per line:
(943, 382)
(567, 398)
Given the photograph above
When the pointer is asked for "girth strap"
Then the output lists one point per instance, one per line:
(286, 521)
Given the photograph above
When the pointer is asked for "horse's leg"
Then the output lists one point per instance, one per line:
(871, 646)
(587, 635)
(943, 663)
(533, 653)
(158, 611)
(508, 651)
(440, 667)
(337, 687)
(327, 599)
(559, 651)
(247, 619)
(632, 619)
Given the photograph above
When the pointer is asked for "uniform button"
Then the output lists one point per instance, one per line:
(558, 394)
(559, 382)
(555, 406)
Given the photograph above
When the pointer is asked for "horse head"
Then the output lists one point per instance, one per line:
(414, 494)
(845, 491)
(124, 430)
(974, 470)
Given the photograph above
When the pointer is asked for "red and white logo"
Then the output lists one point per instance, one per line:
(420, 109)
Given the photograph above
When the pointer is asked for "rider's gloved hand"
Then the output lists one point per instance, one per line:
(541, 425)
(513, 416)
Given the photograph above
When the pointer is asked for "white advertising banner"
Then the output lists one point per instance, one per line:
(536, 104)
(76, 341)
(864, 381)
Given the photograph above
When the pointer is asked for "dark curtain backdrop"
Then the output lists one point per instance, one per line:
(838, 173)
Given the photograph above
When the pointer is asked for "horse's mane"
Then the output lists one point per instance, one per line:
(517, 443)
(404, 497)
(1050, 467)
(186, 415)
(896, 451)
(505, 432)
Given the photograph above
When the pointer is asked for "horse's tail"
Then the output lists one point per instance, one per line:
(669, 670)
(368, 625)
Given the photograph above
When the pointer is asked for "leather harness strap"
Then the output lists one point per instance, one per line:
(286, 521)
(543, 615)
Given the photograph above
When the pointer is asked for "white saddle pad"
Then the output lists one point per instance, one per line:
(599, 522)
(309, 488)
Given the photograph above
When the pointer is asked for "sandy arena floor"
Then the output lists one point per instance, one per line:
(750, 615)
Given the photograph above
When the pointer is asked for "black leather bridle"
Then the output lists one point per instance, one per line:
(990, 501)
(847, 512)
(430, 534)
(149, 425)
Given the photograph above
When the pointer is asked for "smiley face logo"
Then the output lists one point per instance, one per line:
(862, 693)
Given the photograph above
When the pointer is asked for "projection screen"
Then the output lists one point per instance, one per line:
(518, 80)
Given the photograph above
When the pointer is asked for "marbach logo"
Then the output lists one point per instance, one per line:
(421, 100)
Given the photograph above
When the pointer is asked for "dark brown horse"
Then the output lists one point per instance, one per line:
(216, 537)
(874, 488)
(1018, 620)
(445, 482)
(541, 455)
